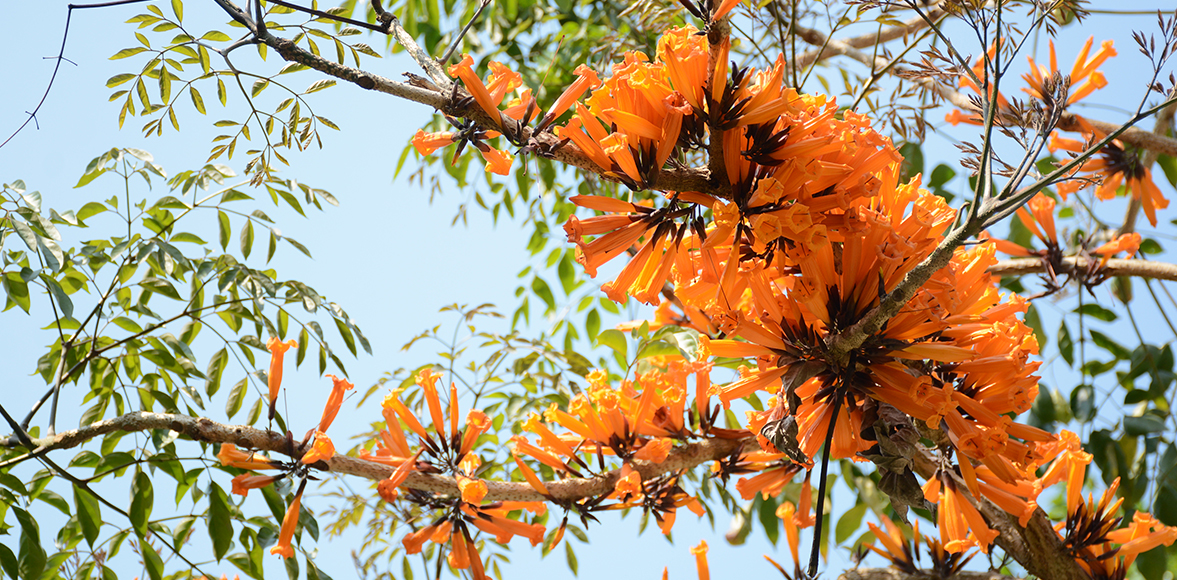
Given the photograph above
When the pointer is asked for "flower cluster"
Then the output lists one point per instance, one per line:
(1116, 164)
(809, 226)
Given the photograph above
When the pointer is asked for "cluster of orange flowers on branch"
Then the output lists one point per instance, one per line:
(1116, 164)
(809, 225)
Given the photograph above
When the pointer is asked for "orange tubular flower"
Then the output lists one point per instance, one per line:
(476, 424)
(465, 70)
(700, 553)
(1128, 243)
(586, 79)
(392, 401)
(387, 487)
(286, 534)
(427, 143)
(338, 388)
(1143, 534)
(497, 161)
(723, 8)
(245, 482)
(530, 476)
(629, 486)
(428, 383)
(957, 517)
(277, 353)
(321, 450)
(230, 456)
(473, 490)
(1084, 71)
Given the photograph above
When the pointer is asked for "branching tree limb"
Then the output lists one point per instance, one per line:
(1112, 268)
(896, 574)
(682, 457)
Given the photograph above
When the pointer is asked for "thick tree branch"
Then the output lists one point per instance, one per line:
(425, 92)
(896, 574)
(685, 456)
(1113, 268)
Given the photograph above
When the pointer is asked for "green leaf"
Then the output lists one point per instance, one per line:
(236, 398)
(247, 239)
(1083, 402)
(613, 339)
(197, 101)
(849, 523)
(127, 324)
(1105, 342)
(152, 561)
(160, 286)
(89, 514)
(16, 288)
(216, 36)
(64, 304)
(541, 289)
(1096, 311)
(224, 229)
(126, 52)
(1066, 346)
(187, 237)
(31, 560)
(657, 348)
(1035, 323)
(8, 561)
(89, 210)
(1143, 425)
(941, 175)
(178, 8)
(345, 332)
(220, 521)
(592, 324)
(570, 556)
(142, 500)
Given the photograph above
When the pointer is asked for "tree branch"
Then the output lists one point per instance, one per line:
(896, 574)
(1113, 268)
(682, 457)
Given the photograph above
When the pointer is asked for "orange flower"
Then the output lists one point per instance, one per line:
(473, 490)
(700, 553)
(321, 450)
(1128, 243)
(338, 388)
(530, 476)
(277, 353)
(629, 486)
(586, 78)
(427, 380)
(464, 70)
(1084, 71)
(230, 456)
(724, 7)
(957, 517)
(496, 161)
(427, 143)
(476, 424)
(387, 487)
(1116, 166)
(245, 482)
(283, 547)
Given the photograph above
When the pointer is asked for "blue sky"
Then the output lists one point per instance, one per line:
(388, 255)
